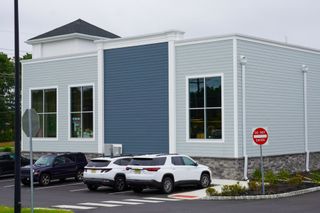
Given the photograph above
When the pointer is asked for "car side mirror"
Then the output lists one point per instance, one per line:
(196, 164)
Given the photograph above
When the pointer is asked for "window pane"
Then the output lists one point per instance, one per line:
(50, 100)
(196, 92)
(40, 132)
(87, 102)
(214, 130)
(197, 123)
(37, 100)
(213, 92)
(76, 99)
(76, 125)
(188, 162)
(50, 125)
(87, 124)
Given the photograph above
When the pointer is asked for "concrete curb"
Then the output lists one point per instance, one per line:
(261, 197)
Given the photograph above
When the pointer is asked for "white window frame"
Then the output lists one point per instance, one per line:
(204, 140)
(93, 112)
(57, 111)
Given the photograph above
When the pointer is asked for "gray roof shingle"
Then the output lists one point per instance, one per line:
(78, 26)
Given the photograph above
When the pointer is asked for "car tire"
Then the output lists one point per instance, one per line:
(79, 175)
(25, 182)
(137, 189)
(167, 185)
(44, 179)
(92, 187)
(119, 184)
(205, 181)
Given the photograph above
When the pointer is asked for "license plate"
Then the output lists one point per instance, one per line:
(137, 171)
(93, 171)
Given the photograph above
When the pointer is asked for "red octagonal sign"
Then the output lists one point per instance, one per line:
(260, 136)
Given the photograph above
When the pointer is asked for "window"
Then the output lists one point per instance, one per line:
(205, 108)
(81, 112)
(44, 101)
(177, 161)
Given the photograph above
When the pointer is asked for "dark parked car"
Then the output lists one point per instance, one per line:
(7, 163)
(55, 166)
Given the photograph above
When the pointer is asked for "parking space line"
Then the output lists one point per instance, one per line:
(121, 202)
(64, 185)
(144, 201)
(98, 204)
(1, 181)
(77, 190)
(161, 198)
(74, 207)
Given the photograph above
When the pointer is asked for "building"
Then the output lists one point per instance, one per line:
(160, 93)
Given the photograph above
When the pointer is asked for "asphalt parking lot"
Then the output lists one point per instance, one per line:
(75, 196)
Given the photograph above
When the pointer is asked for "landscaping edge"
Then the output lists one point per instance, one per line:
(262, 197)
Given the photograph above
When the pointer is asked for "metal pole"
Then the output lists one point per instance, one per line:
(17, 186)
(262, 172)
(31, 159)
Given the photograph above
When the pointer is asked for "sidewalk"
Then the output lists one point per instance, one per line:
(198, 194)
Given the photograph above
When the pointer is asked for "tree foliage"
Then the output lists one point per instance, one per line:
(7, 82)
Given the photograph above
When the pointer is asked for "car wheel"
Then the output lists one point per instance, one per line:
(205, 180)
(92, 187)
(25, 182)
(79, 175)
(119, 183)
(137, 189)
(167, 185)
(44, 179)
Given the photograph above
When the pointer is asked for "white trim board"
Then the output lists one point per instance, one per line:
(235, 98)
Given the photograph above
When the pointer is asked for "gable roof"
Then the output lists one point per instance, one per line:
(78, 26)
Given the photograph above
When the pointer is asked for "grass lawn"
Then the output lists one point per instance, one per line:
(4, 145)
(5, 209)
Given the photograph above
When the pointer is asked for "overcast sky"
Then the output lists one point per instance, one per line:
(298, 20)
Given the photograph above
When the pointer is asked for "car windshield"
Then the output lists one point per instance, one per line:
(148, 161)
(98, 163)
(44, 160)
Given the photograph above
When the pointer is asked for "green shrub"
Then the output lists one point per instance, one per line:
(7, 149)
(7, 135)
(315, 177)
(253, 185)
(271, 178)
(212, 191)
(256, 175)
(295, 180)
(233, 190)
(284, 174)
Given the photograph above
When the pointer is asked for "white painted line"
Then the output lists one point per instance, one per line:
(8, 186)
(49, 187)
(74, 207)
(144, 201)
(162, 199)
(98, 204)
(122, 202)
(77, 190)
(1, 181)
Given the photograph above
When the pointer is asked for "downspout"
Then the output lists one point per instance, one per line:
(304, 71)
(243, 62)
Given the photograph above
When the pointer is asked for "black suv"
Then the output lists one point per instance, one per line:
(7, 160)
(55, 166)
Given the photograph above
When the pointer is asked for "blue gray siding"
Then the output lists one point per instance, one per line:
(136, 98)
(61, 73)
(274, 85)
(199, 60)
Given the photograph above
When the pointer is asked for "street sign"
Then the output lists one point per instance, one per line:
(260, 136)
(35, 122)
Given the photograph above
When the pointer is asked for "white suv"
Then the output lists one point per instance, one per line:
(165, 172)
(106, 171)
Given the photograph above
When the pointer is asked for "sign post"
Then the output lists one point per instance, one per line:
(260, 137)
(31, 126)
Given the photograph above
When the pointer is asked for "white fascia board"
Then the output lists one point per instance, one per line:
(64, 37)
(141, 40)
(57, 58)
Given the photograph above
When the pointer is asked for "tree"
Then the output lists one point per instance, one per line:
(7, 96)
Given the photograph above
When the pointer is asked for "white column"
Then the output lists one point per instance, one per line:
(100, 100)
(172, 96)
(305, 70)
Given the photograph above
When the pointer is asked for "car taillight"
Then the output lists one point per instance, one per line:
(105, 170)
(128, 168)
(155, 169)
